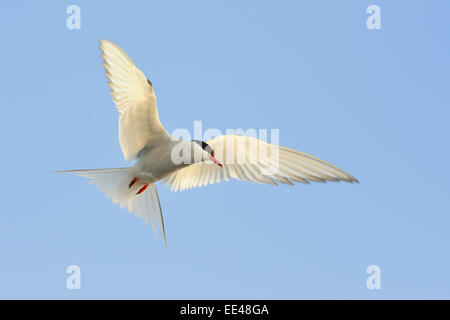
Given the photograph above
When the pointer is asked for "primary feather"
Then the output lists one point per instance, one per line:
(250, 159)
(133, 94)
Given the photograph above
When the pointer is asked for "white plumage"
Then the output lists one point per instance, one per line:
(142, 137)
(135, 100)
(255, 160)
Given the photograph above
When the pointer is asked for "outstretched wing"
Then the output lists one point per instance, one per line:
(249, 159)
(135, 100)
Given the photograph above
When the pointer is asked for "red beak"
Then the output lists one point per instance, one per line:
(214, 159)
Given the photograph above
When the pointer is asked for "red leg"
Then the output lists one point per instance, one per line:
(142, 189)
(132, 182)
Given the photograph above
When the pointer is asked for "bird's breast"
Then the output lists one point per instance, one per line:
(155, 165)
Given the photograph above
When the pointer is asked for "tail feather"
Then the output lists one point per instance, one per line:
(115, 182)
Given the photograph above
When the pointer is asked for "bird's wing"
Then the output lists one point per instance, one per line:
(135, 100)
(249, 159)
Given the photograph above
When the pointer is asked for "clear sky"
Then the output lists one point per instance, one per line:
(373, 102)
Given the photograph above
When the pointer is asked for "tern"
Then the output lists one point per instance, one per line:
(184, 164)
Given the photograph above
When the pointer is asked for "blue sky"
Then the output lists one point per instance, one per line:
(375, 103)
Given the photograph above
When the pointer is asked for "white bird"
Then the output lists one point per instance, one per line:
(158, 154)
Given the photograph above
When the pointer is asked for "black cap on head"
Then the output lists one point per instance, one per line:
(205, 146)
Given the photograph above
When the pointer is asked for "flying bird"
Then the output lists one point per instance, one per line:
(184, 164)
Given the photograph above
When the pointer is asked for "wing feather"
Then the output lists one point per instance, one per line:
(133, 95)
(249, 159)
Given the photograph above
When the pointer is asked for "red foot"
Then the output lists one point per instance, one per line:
(142, 189)
(132, 182)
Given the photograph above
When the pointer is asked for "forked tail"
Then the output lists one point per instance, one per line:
(121, 185)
